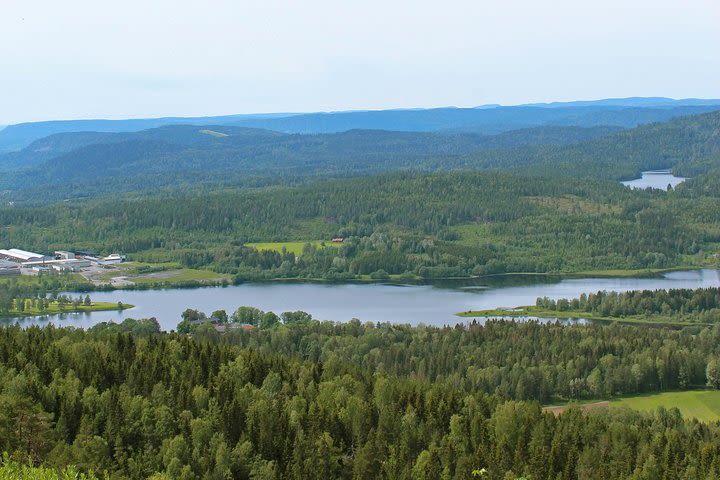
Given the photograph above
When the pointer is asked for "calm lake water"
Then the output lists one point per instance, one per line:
(429, 304)
(655, 179)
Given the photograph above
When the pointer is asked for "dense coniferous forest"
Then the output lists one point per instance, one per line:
(421, 225)
(319, 400)
(663, 302)
(558, 209)
(178, 158)
(12, 469)
(269, 145)
(289, 397)
(512, 360)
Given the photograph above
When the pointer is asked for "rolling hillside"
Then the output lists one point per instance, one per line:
(208, 157)
(190, 155)
(489, 119)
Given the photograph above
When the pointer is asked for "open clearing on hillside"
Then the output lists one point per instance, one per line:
(291, 247)
(180, 275)
(35, 280)
(701, 404)
(213, 133)
(558, 409)
(130, 273)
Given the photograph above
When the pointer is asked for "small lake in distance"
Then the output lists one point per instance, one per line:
(658, 179)
(430, 304)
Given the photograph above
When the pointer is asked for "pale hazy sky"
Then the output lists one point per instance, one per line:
(131, 58)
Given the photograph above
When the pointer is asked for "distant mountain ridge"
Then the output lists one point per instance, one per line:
(117, 150)
(631, 102)
(60, 144)
(213, 157)
(486, 119)
(18, 136)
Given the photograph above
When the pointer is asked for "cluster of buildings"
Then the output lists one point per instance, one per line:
(229, 327)
(13, 261)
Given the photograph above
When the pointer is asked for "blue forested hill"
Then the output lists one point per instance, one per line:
(169, 155)
(16, 137)
(488, 119)
(60, 144)
(217, 156)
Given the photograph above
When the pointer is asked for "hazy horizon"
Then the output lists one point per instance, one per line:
(281, 113)
(81, 59)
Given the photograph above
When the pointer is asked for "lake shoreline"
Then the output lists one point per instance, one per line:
(617, 273)
(655, 179)
(434, 303)
(550, 315)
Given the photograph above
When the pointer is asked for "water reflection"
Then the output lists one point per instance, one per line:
(434, 304)
(657, 179)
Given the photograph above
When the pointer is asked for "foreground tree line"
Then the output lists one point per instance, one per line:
(197, 322)
(321, 400)
(521, 361)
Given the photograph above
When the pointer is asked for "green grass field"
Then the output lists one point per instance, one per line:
(292, 247)
(701, 404)
(160, 273)
(36, 279)
(181, 275)
(473, 234)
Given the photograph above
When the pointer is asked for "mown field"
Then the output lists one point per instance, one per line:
(179, 275)
(291, 247)
(158, 273)
(34, 280)
(703, 405)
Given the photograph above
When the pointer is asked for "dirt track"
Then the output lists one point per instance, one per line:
(557, 410)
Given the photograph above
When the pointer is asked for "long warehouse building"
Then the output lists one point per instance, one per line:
(17, 255)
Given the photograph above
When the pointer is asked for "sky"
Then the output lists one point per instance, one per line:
(150, 58)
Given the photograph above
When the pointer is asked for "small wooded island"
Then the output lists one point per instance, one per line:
(29, 307)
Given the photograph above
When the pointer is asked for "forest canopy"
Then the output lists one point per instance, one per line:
(323, 400)
(421, 225)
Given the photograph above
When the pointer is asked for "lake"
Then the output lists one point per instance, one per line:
(430, 304)
(658, 179)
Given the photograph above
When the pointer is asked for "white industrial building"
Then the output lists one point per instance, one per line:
(11, 261)
(17, 255)
(71, 264)
(113, 259)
